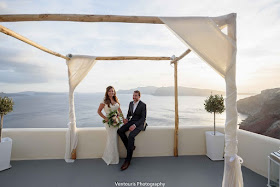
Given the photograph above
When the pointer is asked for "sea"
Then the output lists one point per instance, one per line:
(52, 110)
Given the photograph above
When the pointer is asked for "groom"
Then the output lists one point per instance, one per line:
(136, 118)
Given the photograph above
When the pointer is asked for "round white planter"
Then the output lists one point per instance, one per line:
(5, 153)
(215, 145)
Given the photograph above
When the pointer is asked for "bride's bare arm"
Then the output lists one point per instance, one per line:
(120, 111)
(100, 108)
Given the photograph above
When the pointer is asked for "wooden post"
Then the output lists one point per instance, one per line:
(175, 62)
(73, 154)
(176, 110)
(1, 127)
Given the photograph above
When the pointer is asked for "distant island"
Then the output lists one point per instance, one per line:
(150, 90)
(169, 91)
(31, 93)
(263, 112)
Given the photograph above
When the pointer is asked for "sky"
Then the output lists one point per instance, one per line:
(25, 68)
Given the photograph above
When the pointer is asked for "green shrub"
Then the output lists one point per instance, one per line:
(6, 106)
(214, 104)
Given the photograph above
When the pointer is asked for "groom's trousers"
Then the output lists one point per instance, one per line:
(128, 142)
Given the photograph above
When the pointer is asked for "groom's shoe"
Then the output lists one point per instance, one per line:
(125, 165)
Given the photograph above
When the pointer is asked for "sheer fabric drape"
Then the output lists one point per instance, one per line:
(78, 68)
(204, 37)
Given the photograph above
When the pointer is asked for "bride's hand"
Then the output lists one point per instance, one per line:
(106, 119)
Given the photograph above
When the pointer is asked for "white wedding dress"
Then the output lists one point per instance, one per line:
(111, 152)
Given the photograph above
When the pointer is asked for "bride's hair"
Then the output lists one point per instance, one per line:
(107, 100)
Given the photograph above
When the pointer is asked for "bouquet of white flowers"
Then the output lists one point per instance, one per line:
(114, 119)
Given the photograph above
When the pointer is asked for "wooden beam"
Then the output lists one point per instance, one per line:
(79, 18)
(220, 20)
(181, 56)
(22, 38)
(132, 58)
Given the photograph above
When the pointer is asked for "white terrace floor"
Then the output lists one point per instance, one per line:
(182, 171)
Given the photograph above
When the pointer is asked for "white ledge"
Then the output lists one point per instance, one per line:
(49, 143)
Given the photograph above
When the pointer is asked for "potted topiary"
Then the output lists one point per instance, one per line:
(6, 106)
(215, 141)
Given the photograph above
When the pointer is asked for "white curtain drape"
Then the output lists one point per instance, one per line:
(78, 68)
(204, 37)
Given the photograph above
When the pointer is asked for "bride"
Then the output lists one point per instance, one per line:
(110, 103)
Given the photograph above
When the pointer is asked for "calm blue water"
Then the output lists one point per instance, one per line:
(51, 111)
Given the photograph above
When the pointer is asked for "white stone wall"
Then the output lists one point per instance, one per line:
(49, 143)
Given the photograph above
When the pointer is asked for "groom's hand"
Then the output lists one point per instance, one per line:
(125, 121)
(132, 127)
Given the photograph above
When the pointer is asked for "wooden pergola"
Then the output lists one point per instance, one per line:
(220, 21)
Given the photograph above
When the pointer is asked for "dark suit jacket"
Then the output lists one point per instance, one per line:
(139, 115)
